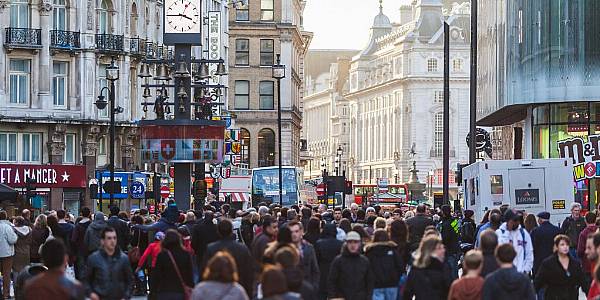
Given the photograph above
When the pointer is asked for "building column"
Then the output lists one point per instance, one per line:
(44, 97)
(128, 138)
(89, 146)
(56, 149)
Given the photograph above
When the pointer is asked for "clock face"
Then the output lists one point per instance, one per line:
(182, 16)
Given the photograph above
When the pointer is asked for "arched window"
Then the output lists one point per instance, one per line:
(59, 15)
(432, 65)
(266, 148)
(104, 17)
(134, 20)
(245, 152)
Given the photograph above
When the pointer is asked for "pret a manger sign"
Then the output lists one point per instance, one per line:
(57, 176)
(585, 155)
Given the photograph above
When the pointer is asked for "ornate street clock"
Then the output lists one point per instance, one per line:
(182, 22)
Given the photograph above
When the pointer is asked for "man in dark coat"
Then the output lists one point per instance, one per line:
(270, 228)
(572, 227)
(326, 249)
(240, 253)
(507, 282)
(416, 227)
(450, 231)
(350, 276)
(542, 239)
(308, 259)
(203, 234)
(120, 227)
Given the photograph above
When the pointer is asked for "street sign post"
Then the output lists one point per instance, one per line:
(138, 191)
(165, 191)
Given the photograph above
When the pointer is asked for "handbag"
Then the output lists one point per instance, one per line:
(134, 254)
(187, 291)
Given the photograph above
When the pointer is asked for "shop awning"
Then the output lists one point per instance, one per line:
(7, 193)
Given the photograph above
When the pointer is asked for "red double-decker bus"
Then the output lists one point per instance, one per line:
(366, 194)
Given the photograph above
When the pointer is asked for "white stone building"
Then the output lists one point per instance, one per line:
(53, 62)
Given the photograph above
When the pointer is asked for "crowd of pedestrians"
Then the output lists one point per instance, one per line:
(299, 252)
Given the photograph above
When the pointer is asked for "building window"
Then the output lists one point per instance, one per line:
(102, 146)
(266, 148)
(20, 70)
(242, 94)
(266, 95)
(245, 151)
(59, 83)
(242, 52)
(102, 83)
(266, 10)
(438, 97)
(30, 147)
(69, 156)
(104, 17)
(266, 52)
(242, 12)
(432, 65)
(8, 147)
(59, 15)
(438, 135)
(19, 14)
(457, 65)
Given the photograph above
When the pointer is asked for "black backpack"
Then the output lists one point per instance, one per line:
(467, 232)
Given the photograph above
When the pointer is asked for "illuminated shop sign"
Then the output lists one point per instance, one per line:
(585, 155)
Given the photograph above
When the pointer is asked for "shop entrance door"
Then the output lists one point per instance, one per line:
(527, 189)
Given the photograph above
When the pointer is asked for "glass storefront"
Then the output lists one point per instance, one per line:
(556, 122)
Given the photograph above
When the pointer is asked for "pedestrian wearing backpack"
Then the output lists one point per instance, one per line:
(513, 233)
(467, 229)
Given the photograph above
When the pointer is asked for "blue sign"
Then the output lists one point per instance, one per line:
(137, 190)
(123, 177)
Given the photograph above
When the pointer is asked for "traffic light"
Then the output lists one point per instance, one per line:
(29, 187)
(458, 173)
(200, 190)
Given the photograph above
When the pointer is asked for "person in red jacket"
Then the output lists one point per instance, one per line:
(152, 251)
(590, 228)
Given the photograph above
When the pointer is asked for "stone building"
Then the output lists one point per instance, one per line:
(258, 31)
(55, 54)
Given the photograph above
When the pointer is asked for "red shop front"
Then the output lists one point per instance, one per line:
(55, 186)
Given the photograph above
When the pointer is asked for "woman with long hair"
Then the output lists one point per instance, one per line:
(39, 234)
(559, 275)
(173, 273)
(220, 280)
(430, 277)
(530, 222)
(313, 230)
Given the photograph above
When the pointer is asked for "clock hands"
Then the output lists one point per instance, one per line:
(180, 15)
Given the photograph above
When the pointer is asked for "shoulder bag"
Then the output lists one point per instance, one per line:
(187, 291)
(134, 254)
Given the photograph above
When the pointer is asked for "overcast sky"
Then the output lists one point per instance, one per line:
(344, 24)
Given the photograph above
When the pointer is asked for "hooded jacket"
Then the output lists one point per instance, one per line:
(430, 283)
(508, 283)
(521, 242)
(22, 247)
(386, 263)
(350, 277)
(93, 233)
(466, 289)
(8, 238)
(326, 249)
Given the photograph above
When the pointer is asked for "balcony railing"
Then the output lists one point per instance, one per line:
(137, 46)
(23, 38)
(67, 40)
(109, 43)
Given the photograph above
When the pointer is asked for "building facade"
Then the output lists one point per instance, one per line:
(396, 95)
(259, 30)
(54, 61)
(538, 83)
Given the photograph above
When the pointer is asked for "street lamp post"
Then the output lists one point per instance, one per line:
(112, 75)
(278, 73)
(338, 159)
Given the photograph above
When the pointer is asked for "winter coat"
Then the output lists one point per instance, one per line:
(219, 290)
(508, 283)
(416, 228)
(585, 262)
(490, 264)
(64, 232)
(309, 265)
(243, 259)
(429, 283)
(466, 289)
(108, 276)
(572, 228)
(560, 285)
(350, 277)
(52, 284)
(521, 241)
(311, 238)
(162, 225)
(78, 236)
(450, 231)
(542, 239)
(139, 239)
(247, 231)
(8, 238)
(22, 247)
(122, 230)
(38, 237)
(166, 278)
(93, 233)
(326, 249)
(203, 234)
(259, 245)
(386, 263)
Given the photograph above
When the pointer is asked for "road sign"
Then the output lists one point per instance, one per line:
(137, 190)
(321, 189)
(165, 191)
(382, 184)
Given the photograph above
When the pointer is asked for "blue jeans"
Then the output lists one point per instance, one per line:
(452, 261)
(390, 293)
